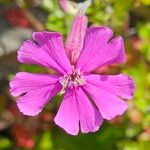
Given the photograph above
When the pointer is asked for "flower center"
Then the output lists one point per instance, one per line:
(72, 80)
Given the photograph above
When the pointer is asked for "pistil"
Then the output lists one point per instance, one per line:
(73, 80)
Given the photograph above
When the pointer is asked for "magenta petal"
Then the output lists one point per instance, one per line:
(43, 37)
(119, 85)
(90, 117)
(100, 50)
(53, 43)
(30, 53)
(25, 82)
(74, 108)
(48, 51)
(108, 104)
(75, 39)
(35, 91)
(34, 101)
(67, 116)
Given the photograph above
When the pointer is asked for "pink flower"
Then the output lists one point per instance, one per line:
(88, 98)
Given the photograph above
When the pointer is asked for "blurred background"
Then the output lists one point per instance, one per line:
(128, 18)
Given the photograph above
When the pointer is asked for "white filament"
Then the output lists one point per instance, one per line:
(73, 80)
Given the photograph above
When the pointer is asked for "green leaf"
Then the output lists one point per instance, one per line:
(45, 141)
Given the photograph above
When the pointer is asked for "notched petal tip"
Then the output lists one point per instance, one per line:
(12, 85)
(43, 37)
(120, 45)
(130, 85)
(118, 112)
(103, 33)
(24, 51)
(94, 129)
(26, 110)
(69, 131)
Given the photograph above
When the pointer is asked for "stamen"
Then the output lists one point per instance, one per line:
(80, 81)
(62, 91)
(64, 82)
(73, 80)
